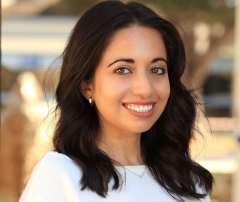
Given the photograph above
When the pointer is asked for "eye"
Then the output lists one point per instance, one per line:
(157, 70)
(122, 70)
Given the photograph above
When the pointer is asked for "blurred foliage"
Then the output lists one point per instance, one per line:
(205, 10)
(70, 7)
(195, 10)
(5, 69)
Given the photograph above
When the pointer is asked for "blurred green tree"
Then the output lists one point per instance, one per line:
(70, 7)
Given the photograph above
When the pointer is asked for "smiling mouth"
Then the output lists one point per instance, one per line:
(139, 108)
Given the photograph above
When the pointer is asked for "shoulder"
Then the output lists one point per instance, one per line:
(57, 164)
(53, 177)
(55, 159)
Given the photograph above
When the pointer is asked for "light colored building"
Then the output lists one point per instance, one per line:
(30, 42)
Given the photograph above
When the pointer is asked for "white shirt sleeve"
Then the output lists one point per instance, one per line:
(54, 179)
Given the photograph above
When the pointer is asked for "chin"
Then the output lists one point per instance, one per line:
(142, 129)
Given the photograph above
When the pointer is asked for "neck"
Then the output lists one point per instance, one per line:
(123, 148)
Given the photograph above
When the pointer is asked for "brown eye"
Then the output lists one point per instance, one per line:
(122, 70)
(157, 70)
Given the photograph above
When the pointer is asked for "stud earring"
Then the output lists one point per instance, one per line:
(90, 101)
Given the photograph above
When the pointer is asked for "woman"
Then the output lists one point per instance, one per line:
(125, 118)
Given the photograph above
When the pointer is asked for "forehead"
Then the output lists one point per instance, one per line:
(136, 40)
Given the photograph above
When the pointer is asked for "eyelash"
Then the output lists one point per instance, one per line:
(151, 71)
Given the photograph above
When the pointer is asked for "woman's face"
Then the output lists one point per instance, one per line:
(131, 86)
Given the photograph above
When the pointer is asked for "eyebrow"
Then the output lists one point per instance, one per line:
(129, 60)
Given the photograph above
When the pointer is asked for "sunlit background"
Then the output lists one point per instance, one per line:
(34, 33)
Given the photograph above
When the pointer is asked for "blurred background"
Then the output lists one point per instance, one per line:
(35, 32)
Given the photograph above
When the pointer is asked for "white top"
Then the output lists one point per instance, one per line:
(56, 179)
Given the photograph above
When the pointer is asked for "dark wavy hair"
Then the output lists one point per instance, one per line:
(164, 147)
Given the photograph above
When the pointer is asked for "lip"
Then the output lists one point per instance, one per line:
(141, 103)
(140, 114)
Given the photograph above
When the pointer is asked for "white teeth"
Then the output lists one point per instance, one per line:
(139, 108)
(145, 108)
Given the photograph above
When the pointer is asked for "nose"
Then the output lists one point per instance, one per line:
(142, 85)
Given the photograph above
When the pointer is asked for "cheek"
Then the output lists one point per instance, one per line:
(163, 89)
(110, 87)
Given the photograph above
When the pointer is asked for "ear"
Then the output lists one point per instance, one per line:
(86, 88)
